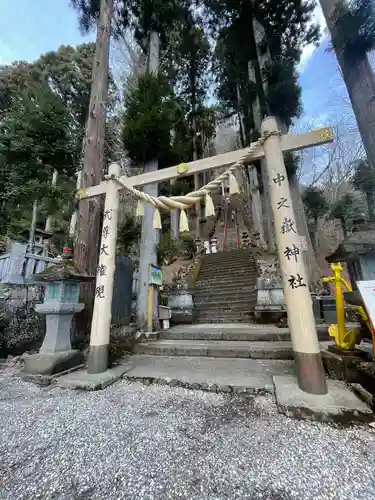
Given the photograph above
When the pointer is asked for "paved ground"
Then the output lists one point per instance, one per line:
(236, 373)
(136, 442)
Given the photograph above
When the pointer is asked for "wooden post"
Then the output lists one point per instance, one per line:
(310, 372)
(150, 308)
(33, 227)
(102, 315)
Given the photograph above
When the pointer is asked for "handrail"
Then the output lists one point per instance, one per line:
(225, 223)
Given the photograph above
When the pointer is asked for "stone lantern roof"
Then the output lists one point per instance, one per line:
(65, 270)
(361, 241)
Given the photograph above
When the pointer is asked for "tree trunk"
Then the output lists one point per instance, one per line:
(359, 80)
(255, 68)
(256, 204)
(149, 235)
(370, 205)
(303, 230)
(87, 244)
(344, 227)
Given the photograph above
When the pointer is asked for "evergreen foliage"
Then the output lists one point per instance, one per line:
(44, 108)
(148, 119)
(283, 95)
(345, 210)
(364, 180)
(354, 35)
(315, 203)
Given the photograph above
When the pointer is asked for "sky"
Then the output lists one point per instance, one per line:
(30, 28)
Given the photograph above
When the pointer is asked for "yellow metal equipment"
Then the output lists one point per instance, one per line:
(345, 339)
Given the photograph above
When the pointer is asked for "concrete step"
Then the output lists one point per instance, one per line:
(210, 374)
(234, 332)
(217, 349)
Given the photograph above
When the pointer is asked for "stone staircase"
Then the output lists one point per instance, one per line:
(225, 288)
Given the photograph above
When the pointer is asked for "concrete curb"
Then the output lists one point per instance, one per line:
(202, 386)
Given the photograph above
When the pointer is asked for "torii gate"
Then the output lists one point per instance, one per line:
(298, 300)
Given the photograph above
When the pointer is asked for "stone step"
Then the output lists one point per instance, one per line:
(217, 349)
(221, 294)
(213, 319)
(226, 274)
(234, 332)
(228, 270)
(219, 281)
(228, 258)
(246, 305)
(222, 315)
(220, 284)
(224, 257)
(210, 374)
(227, 266)
(238, 253)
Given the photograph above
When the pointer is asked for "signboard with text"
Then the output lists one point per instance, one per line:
(367, 291)
(156, 277)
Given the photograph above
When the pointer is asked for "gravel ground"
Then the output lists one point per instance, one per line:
(131, 441)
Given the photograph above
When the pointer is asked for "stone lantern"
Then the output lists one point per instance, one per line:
(62, 285)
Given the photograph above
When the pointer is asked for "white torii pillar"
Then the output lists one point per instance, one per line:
(102, 315)
(309, 365)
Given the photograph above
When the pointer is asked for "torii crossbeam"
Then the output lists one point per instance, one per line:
(289, 142)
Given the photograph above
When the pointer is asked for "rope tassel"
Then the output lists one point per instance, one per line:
(140, 211)
(209, 209)
(184, 224)
(233, 185)
(157, 219)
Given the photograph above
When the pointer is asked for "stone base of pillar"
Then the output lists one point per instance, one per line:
(310, 372)
(98, 359)
(340, 404)
(53, 363)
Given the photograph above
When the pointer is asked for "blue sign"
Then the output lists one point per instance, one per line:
(156, 277)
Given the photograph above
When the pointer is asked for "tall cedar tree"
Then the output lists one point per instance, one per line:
(352, 28)
(86, 249)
